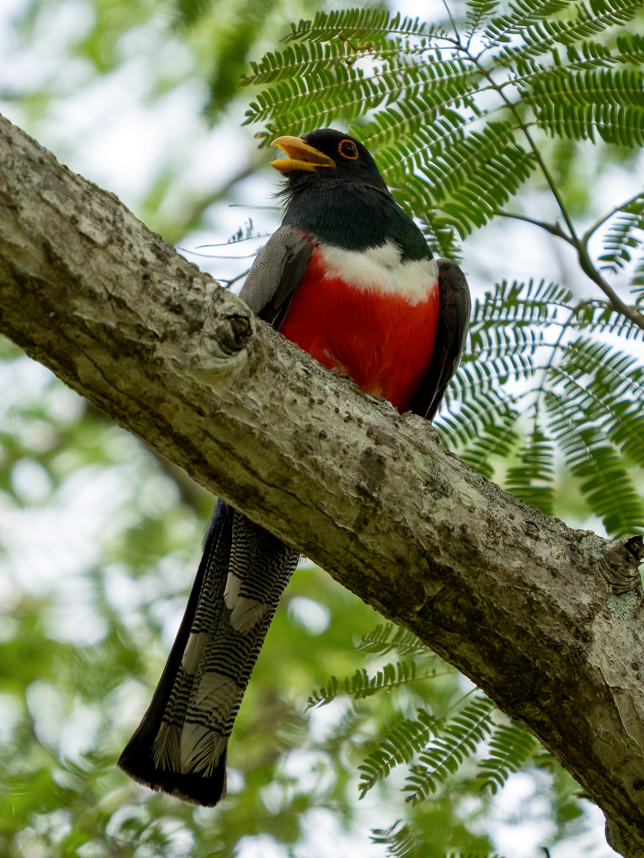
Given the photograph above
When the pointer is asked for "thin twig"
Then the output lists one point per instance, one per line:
(229, 283)
(453, 23)
(553, 229)
(232, 242)
(590, 271)
(215, 255)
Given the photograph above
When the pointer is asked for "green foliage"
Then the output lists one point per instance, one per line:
(442, 747)
(478, 13)
(55, 806)
(624, 234)
(362, 685)
(242, 33)
(399, 839)
(584, 399)
(456, 742)
(162, 53)
(404, 841)
(543, 36)
(379, 641)
(60, 806)
(532, 478)
(614, 123)
(362, 25)
(452, 741)
(509, 747)
(401, 743)
(605, 481)
(523, 14)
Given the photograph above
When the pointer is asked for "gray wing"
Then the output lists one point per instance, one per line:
(276, 274)
(451, 333)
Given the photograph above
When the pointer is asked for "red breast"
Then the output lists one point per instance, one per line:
(370, 315)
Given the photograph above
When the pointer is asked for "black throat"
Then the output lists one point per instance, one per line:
(351, 215)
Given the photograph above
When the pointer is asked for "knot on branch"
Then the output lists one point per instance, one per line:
(223, 340)
(233, 332)
(635, 544)
(620, 565)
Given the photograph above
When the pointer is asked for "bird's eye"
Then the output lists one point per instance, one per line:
(348, 149)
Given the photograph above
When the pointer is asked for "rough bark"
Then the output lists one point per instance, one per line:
(546, 620)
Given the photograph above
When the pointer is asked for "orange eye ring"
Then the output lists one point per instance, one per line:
(353, 146)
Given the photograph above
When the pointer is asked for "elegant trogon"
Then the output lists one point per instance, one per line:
(350, 278)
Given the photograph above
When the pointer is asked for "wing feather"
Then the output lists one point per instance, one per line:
(451, 334)
(276, 274)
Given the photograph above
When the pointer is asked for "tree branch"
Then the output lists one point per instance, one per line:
(547, 620)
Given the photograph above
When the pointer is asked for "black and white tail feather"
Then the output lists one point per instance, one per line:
(180, 745)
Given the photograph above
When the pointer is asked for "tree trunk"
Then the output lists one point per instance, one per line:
(546, 620)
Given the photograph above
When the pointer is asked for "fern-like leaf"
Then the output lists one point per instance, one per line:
(618, 372)
(598, 317)
(468, 412)
(404, 840)
(597, 86)
(509, 746)
(400, 745)
(498, 438)
(472, 181)
(617, 125)
(582, 104)
(598, 383)
(361, 685)
(360, 25)
(478, 12)
(333, 88)
(521, 15)
(540, 37)
(622, 235)
(296, 61)
(630, 48)
(380, 642)
(457, 742)
(604, 480)
(401, 840)
(637, 284)
(533, 478)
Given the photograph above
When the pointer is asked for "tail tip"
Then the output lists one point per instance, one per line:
(194, 788)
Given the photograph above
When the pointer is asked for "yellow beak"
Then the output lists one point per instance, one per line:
(301, 156)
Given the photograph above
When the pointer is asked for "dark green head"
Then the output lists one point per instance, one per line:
(326, 154)
(336, 193)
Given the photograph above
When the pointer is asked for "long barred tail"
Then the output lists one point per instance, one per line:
(180, 745)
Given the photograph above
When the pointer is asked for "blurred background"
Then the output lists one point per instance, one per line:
(99, 538)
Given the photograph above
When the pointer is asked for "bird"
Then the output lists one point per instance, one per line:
(350, 278)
